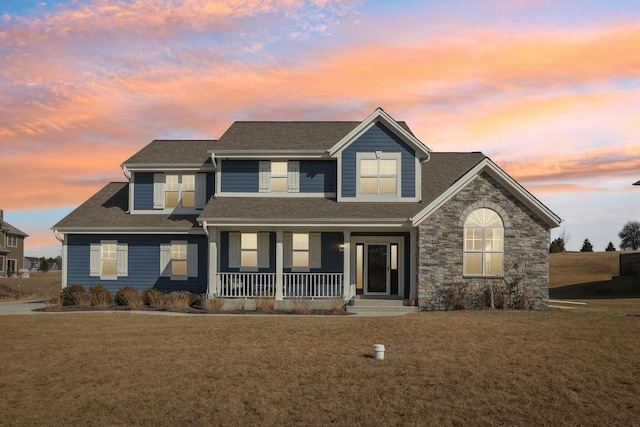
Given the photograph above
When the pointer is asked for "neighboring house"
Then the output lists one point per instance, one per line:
(32, 263)
(289, 209)
(11, 248)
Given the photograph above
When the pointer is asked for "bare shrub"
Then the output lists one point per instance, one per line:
(120, 295)
(495, 293)
(154, 298)
(212, 305)
(178, 301)
(67, 294)
(337, 304)
(131, 297)
(82, 299)
(455, 296)
(265, 304)
(301, 305)
(100, 296)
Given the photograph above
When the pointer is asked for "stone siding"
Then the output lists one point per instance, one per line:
(440, 246)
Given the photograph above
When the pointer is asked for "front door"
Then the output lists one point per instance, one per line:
(376, 268)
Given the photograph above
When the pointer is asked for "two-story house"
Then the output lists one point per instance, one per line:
(11, 248)
(309, 209)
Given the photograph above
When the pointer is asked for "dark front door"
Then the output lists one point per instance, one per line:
(377, 268)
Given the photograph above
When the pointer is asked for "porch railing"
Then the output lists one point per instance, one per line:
(249, 285)
(312, 285)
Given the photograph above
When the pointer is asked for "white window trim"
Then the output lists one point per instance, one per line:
(2, 263)
(95, 259)
(482, 251)
(315, 251)
(379, 155)
(166, 259)
(11, 238)
(262, 252)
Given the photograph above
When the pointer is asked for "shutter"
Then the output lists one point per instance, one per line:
(158, 191)
(264, 172)
(293, 177)
(122, 260)
(263, 250)
(192, 260)
(287, 250)
(201, 190)
(165, 260)
(234, 249)
(315, 250)
(94, 260)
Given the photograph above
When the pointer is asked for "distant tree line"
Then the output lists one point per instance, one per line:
(629, 239)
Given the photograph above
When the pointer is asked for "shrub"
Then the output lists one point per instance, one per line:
(53, 303)
(154, 297)
(83, 299)
(130, 297)
(120, 300)
(265, 304)
(100, 296)
(455, 296)
(301, 305)
(67, 296)
(337, 304)
(498, 297)
(178, 301)
(211, 305)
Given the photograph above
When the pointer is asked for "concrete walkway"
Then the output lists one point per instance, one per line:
(26, 307)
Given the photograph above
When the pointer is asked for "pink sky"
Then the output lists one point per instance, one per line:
(549, 90)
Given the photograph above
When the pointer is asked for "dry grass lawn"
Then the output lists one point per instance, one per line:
(582, 267)
(38, 286)
(572, 367)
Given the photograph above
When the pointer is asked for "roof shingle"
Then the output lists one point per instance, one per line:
(169, 151)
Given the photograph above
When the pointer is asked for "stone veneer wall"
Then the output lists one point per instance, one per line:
(440, 245)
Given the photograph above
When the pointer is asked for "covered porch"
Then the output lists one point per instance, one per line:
(331, 263)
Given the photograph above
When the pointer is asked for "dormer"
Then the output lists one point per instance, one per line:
(380, 160)
(170, 176)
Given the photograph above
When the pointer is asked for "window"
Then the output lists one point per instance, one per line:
(249, 250)
(279, 176)
(180, 191)
(302, 251)
(378, 174)
(1, 264)
(178, 260)
(300, 247)
(483, 243)
(108, 260)
(12, 241)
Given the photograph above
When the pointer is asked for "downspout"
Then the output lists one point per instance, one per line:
(57, 236)
(124, 172)
(206, 230)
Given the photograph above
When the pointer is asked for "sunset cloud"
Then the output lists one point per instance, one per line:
(83, 85)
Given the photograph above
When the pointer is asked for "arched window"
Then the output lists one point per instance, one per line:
(483, 243)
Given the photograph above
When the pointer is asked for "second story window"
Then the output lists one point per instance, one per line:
(180, 191)
(378, 174)
(279, 176)
(12, 241)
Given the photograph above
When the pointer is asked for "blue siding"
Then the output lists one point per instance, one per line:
(239, 176)
(211, 185)
(378, 138)
(318, 176)
(143, 191)
(144, 263)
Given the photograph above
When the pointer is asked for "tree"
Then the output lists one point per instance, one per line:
(586, 246)
(610, 248)
(557, 246)
(630, 236)
(44, 265)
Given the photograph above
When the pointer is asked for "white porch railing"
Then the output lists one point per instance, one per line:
(249, 285)
(312, 285)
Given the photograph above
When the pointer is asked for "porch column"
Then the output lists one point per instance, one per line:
(279, 265)
(346, 269)
(212, 285)
(413, 261)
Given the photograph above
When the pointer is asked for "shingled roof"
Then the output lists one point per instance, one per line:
(107, 209)
(173, 152)
(10, 229)
(285, 135)
(438, 175)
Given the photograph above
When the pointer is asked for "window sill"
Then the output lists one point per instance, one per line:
(468, 276)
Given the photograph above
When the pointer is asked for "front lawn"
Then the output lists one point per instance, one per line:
(572, 367)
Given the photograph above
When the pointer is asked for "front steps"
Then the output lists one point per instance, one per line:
(387, 304)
